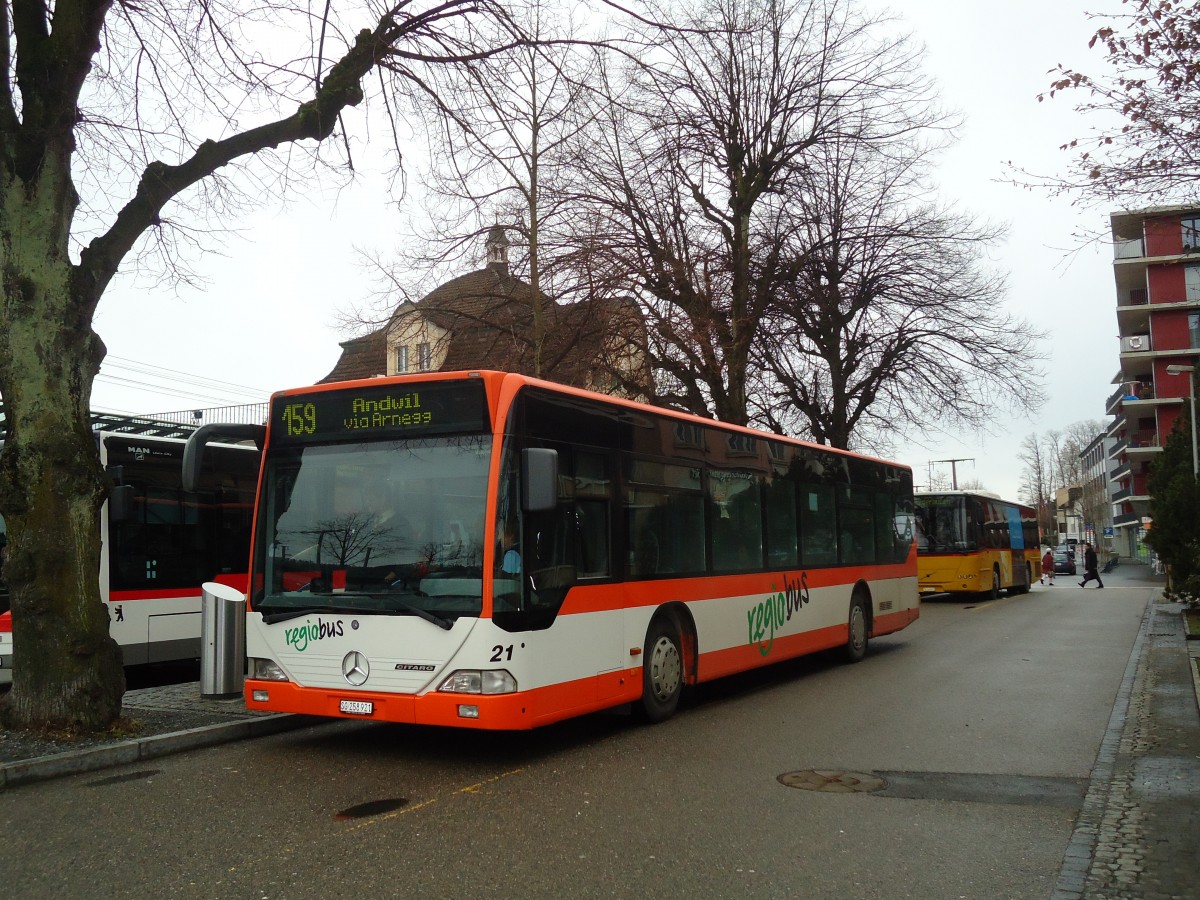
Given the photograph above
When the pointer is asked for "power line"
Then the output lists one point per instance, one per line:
(141, 368)
(164, 390)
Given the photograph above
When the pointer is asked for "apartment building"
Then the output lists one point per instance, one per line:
(1156, 268)
(1096, 491)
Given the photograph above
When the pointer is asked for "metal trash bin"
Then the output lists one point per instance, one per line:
(222, 641)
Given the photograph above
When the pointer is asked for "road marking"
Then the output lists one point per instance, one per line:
(469, 789)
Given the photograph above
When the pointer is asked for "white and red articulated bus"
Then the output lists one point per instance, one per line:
(161, 543)
(486, 550)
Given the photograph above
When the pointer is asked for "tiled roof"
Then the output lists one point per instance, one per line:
(362, 357)
(489, 318)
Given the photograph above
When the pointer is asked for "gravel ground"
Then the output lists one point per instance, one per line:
(18, 746)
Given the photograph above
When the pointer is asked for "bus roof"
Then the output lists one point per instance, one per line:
(509, 382)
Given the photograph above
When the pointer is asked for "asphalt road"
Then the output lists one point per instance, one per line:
(983, 718)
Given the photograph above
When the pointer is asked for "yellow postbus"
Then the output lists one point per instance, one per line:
(975, 543)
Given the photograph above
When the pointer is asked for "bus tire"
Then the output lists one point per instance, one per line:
(1023, 588)
(993, 593)
(662, 671)
(857, 637)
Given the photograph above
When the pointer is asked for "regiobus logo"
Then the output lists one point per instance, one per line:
(310, 631)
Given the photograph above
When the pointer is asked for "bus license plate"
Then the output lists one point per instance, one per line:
(357, 707)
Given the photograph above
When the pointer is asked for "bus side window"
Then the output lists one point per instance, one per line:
(856, 538)
(783, 550)
(735, 504)
(818, 542)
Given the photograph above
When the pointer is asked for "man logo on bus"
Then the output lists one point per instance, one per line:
(772, 613)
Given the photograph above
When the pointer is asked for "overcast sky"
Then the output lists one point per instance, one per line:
(266, 319)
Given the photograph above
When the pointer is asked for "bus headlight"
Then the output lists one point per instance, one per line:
(476, 681)
(266, 670)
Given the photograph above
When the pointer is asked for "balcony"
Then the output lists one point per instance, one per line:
(1131, 249)
(1130, 390)
(1135, 343)
(1142, 444)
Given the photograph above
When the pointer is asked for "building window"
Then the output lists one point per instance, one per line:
(1194, 330)
(1191, 283)
(401, 360)
(1191, 234)
(423, 357)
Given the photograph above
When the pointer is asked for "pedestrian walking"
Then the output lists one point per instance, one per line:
(1089, 566)
(1048, 566)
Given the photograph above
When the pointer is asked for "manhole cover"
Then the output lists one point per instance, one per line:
(833, 781)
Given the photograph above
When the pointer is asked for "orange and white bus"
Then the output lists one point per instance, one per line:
(492, 551)
(159, 543)
(976, 543)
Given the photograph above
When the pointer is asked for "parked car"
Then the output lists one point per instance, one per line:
(1064, 563)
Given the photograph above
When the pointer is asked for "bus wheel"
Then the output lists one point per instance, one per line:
(1023, 588)
(662, 671)
(856, 640)
(994, 592)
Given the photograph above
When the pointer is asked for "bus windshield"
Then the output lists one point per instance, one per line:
(942, 525)
(393, 527)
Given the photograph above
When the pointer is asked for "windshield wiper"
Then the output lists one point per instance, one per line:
(439, 621)
(287, 615)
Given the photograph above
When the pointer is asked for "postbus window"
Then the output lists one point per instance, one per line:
(783, 550)
(735, 504)
(818, 540)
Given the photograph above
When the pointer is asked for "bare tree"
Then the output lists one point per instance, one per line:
(1037, 486)
(1070, 446)
(1053, 461)
(893, 319)
(502, 129)
(114, 96)
(704, 143)
(1150, 90)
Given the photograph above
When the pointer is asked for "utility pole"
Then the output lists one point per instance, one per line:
(953, 468)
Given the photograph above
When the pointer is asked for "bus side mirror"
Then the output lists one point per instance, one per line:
(539, 479)
(120, 503)
(193, 450)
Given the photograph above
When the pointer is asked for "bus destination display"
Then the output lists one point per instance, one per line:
(439, 407)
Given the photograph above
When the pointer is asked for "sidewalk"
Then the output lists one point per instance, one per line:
(169, 719)
(1137, 836)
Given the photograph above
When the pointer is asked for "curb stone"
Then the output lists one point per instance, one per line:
(135, 749)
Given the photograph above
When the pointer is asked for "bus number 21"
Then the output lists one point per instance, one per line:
(499, 653)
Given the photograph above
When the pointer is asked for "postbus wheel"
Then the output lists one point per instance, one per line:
(662, 671)
(857, 639)
(1023, 588)
(993, 593)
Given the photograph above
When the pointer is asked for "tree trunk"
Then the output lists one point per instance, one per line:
(68, 672)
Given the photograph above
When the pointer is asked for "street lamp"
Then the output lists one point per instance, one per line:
(1191, 374)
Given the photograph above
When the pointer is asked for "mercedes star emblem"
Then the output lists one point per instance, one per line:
(355, 668)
